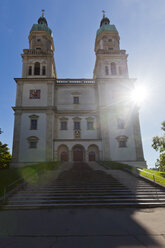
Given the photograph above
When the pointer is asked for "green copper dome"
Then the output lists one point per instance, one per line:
(106, 27)
(41, 26)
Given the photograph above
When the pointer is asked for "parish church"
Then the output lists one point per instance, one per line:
(75, 119)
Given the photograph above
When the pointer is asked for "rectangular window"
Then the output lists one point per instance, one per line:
(122, 143)
(90, 125)
(76, 100)
(76, 125)
(63, 125)
(33, 124)
(34, 94)
(121, 123)
(33, 144)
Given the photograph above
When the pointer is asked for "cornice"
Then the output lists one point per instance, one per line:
(33, 79)
(75, 112)
(22, 108)
(79, 140)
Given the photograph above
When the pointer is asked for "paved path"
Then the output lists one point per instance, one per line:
(83, 228)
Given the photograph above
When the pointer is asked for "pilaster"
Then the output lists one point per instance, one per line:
(49, 136)
(16, 138)
(137, 137)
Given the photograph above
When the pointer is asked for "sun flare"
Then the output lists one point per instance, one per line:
(139, 94)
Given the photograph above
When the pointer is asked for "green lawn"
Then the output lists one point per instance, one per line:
(117, 166)
(28, 173)
(157, 174)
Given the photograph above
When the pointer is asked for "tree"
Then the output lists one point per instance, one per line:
(5, 156)
(159, 145)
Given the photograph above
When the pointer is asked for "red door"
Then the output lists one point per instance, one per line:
(78, 153)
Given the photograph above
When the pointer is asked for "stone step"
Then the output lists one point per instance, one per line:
(87, 201)
(21, 198)
(80, 191)
(91, 186)
(84, 204)
(84, 187)
(54, 194)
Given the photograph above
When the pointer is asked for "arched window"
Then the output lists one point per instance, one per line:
(113, 68)
(106, 70)
(30, 70)
(37, 68)
(43, 70)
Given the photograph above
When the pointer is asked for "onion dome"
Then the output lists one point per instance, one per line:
(104, 21)
(42, 20)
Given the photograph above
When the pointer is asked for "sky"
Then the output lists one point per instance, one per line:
(74, 23)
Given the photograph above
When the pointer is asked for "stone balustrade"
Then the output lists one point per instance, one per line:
(75, 81)
(37, 52)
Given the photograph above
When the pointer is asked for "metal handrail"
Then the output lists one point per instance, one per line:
(9, 185)
(151, 174)
(155, 183)
(16, 181)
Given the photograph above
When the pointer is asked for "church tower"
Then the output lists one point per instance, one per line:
(119, 118)
(34, 102)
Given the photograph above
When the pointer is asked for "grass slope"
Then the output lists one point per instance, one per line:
(159, 176)
(32, 173)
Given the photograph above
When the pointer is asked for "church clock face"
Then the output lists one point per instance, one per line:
(34, 94)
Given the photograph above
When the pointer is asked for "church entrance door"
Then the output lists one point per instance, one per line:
(78, 153)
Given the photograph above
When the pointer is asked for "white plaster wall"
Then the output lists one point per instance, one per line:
(26, 101)
(87, 98)
(121, 153)
(69, 133)
(111, 94)
(27, 154)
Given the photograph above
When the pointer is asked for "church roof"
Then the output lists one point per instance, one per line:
(106, 27)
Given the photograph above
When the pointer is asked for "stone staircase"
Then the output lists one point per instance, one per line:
(83, 186)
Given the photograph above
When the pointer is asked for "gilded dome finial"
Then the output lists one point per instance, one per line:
(103, 13)
(43, 14)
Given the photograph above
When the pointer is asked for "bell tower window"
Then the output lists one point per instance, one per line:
(106, 70)
(113, 68)
(30, 70)
(37, 68)
(43, 70)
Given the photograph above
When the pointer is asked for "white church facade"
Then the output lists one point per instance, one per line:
(75, 119)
